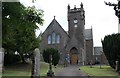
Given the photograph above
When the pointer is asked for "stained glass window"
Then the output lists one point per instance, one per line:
(53, 38)
(58, 39)
(49, 39)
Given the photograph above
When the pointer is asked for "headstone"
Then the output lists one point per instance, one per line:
(36, 64)
(1, 60)
(116, 67)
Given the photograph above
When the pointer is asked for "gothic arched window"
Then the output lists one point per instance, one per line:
(49, 39)
(58, 39)
(53, 37)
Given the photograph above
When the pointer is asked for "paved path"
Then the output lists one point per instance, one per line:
(72, 70)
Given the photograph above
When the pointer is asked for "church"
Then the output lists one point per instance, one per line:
(74, 45)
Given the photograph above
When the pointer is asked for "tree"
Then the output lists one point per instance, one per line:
(55, 55)
(18, 28)
(116, 8)
(111, 48)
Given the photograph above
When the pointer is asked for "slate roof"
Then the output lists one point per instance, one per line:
(88, 34)
(98, 50)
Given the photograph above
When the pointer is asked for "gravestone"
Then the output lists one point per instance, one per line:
(116, 67)
(36, 64)
(1, 60)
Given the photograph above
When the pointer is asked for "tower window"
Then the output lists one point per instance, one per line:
(75, 26)
(53, 38)
(49, 39)
(58, 39)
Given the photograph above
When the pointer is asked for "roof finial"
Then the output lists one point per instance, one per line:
(68, 6)
(81, 5)
(54, 17)
(74, 6)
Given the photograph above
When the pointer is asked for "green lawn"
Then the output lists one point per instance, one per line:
(44, 68)
(17, 70)
(96, 71)
(25, 69)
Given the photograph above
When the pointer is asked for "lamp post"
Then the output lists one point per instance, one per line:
(50, 72)
(117, 11)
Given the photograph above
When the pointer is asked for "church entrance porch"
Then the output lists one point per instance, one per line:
(73, 56)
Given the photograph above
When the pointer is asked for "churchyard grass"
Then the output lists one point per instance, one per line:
(17, 70)
(25, 69)
(96, 71)
(45, 66)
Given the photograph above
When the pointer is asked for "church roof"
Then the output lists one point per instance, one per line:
(53, 25)
(98, 50)
(88, 34)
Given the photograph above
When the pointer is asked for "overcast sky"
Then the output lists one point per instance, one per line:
(99, 16)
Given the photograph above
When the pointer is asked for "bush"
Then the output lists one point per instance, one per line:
(55, 55)
(111, 49)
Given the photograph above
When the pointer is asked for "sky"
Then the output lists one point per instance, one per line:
(98, 16)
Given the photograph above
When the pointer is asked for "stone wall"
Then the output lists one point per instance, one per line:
(89, 51)
(100, 59)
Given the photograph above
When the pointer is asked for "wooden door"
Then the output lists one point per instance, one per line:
(74, 58)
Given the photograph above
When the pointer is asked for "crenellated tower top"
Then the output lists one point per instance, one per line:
(75, 9)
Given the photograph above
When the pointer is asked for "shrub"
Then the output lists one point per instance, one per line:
(111, 49)
(55, 55)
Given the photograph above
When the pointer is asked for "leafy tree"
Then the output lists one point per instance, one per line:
(55, 55)
(111, 48)
(18, 28)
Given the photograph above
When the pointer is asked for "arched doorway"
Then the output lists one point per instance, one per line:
(73, 56)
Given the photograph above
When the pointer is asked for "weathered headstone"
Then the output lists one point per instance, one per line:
(36, 64)
(1, 60)
(116, 67)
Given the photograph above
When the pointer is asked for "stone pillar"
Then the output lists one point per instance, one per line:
(36, 64)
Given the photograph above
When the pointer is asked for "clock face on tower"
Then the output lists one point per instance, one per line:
(75, 21)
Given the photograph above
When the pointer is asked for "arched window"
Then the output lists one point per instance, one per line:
(58, 39)
(49, 39)
(53, 37)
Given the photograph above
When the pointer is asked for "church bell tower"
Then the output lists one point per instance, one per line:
(76, 32)
(76, 22)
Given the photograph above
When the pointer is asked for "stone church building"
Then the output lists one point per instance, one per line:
(74, 45)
